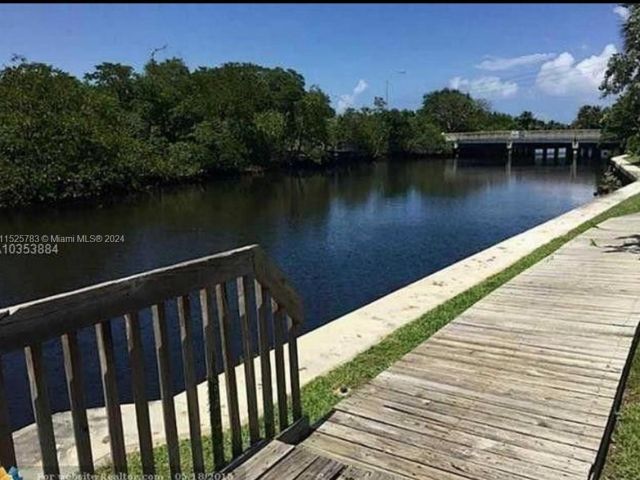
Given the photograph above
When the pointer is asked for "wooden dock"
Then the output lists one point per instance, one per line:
(520, 386)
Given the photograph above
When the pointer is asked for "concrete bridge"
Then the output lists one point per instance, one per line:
(582, 142)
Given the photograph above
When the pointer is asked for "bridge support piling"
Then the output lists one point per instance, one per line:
(574, 159)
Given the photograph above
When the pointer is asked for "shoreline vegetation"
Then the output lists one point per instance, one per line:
(119, 131)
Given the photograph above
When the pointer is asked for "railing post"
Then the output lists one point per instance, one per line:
(294, 372)
(111, 401)
(229, 368)
(190, 384)
(166, 387)
(136, 363)
(279, 334)
(247, 310)
(213, 387)
(41, 410)
(7, 450)
(73, 372)
(264, 311)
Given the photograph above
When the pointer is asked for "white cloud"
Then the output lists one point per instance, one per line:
(348, 99)
(564, 76)
(622, 12)
(486, 87)
(498, 63)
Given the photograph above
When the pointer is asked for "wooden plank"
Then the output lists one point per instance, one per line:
(441, 460)
(490, 323)
(607, 371)
(138, 386)
(166, 387)
(190, 383)
(281, 386)
(269, 275)
(108, 374)
(54, 316)
(565, 343)
(559, 398)
(262, 461)
(75, 389)
(499, 446)
(246, 455)
(322, 468)
(295, 432)
(441, 418)
(291, 466)
(247, 312)
(41, 409)
(449, 403)
(264, 312)
(355, 473)
(7, 449)
(213, 387)
(528, 405)
(371, 455)
(516, 374)
(224, 317)
(542, 317)
(294, 371)
(472, 447)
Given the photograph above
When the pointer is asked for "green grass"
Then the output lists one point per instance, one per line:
(623, 460)
(321, 394)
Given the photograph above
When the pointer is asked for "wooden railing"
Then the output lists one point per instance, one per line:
(263, 300)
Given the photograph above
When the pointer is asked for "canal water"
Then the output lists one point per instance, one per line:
(344, 238)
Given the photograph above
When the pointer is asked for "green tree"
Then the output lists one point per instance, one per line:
(498, 121)
(58, 138)
(116, 79)
(589, 116)
(527, 121)
(312, 124)
(162, 102)
(426, 137)
(452, 110)
(622, 121)
(623, 69)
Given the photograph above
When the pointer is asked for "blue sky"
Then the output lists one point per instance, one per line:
(545, 58)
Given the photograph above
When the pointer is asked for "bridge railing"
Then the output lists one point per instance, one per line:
(525, 135)
(233, 291)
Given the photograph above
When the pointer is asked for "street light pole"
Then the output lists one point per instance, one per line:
(386, 92)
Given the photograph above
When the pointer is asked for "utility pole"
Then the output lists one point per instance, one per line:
(386, 91)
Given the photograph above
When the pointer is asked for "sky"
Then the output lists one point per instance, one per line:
(547, 58)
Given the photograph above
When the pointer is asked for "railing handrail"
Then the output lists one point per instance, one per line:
(39, 320)
(524, 134)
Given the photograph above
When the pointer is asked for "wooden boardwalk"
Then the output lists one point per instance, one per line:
(520, 386)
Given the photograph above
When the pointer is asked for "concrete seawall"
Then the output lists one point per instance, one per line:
(342, 339)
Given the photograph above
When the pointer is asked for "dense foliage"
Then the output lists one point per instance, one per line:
(120, 130)
(63, 138)
(622, 120)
